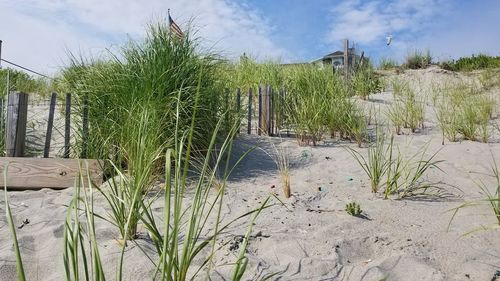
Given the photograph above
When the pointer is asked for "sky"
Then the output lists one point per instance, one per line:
(39, 34)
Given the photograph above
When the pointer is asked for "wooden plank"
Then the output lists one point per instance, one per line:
(67, 125)
(50, 124)
(35, 173)
(15, 135)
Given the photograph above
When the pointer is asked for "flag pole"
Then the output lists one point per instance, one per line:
(169, 24)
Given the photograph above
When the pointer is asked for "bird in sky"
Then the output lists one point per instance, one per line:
(389, 39)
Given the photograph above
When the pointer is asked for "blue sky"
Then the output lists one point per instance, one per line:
(38, 33)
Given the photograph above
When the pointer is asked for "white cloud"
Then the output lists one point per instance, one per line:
(36, 33)
(449, 29)
(369, 22)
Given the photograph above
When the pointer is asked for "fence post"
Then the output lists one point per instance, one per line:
(285, 97)
(249, 126)
(50, 123)
(346, 57)
(265, 110)
(2, 119)
(259, 125)
(67, 125)
(227, 110)
(15, 134)
(238, 107)
(271, 112)
(85, 127)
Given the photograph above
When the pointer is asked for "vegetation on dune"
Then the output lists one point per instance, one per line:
(473, 62)
(407, 109)
(308, 90)
(189, 226)
(365, 82)
(158, 101)
(387, 64)
(159, 73)
(159, 108)
(281, 158)
(490, 78)
(464, 110)
(405, 175)
(491, 198)
(353, 209)
(418, 59)
(17, 80)
(310, 100)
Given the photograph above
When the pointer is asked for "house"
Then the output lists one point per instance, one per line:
(336, 59)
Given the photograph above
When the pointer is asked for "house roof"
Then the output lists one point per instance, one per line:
(334, 54)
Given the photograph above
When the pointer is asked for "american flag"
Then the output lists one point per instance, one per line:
(174, 28)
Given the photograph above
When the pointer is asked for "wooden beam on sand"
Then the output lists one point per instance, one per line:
(36, 173)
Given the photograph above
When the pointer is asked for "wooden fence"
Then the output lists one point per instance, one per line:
(262, 113)
(30, 128)
(22, 122)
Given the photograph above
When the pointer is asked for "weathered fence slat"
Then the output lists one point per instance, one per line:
(228, 110)
(265, 111)
(238, 107)
(85, 127)
(249, 125)
(15, 134)
(67, 125)
(2, 120)
(50, 123)
(271, 111)
(259, 125)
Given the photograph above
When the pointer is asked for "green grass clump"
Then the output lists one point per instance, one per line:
(473, 62)
(75, 258)
(376, 164)
(353, 209)
(309, 88)
(281, 158)
(8, 214)
(17, 80)
(462, 110)
(149, 72)
(404, 175)
(407, 109)
(491, 198)
(143, 150)
(387, 64)
(490, 78)
(397, 116)
(357, 126)
(417, 59)
(366, 82)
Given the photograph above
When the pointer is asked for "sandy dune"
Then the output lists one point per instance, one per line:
(311, 237)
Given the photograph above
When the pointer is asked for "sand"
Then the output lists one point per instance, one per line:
(311, 237)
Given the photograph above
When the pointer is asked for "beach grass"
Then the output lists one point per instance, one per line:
(462, 110)
(418, 59)
(491, 199)
(375, 165)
